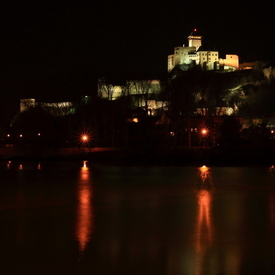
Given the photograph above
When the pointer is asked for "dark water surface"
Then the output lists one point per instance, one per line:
(83, 218)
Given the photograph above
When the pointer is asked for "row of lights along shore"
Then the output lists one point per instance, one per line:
(83, 138)
(21, 135)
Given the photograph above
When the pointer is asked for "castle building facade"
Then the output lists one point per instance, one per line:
(185, 57)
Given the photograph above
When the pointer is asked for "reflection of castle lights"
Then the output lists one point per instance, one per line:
(204, 227)
(84, 212)
(204, 223)
(84, 167)
(204, 172)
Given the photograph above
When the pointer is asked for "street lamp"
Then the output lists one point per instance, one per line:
(84, 138)
(204, 132)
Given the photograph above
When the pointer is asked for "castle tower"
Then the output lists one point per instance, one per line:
(194, 39)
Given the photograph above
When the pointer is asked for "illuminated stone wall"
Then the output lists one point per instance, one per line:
(26, 103)
(194, 41)
(231, 61)
(208, 60)
(56, 108)
(131, 87)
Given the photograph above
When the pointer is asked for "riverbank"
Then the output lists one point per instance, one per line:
(150, 156)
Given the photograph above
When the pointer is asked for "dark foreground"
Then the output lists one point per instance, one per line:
(83, 218)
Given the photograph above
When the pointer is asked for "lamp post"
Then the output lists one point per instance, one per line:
(204, 133)
(85, 142)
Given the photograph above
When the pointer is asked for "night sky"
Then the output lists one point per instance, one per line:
(55, 50)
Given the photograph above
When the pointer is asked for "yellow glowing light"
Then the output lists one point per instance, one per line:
(204, 131)
(84, 137)
(135, 120)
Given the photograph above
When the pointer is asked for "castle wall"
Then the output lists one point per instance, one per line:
(209, 60)
(230, 61)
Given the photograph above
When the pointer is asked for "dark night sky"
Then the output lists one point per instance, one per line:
(53, 50)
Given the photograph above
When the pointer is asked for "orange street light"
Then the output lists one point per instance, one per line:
(204, 131)
(84, 138)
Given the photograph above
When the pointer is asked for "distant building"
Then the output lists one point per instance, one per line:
(55, 109)
(196, 54)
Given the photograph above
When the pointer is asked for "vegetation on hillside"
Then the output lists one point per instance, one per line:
(249, 93)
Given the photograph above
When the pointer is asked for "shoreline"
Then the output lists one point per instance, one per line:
(139, 156)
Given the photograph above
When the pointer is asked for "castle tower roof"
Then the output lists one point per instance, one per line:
(195, 33)
(194, 39)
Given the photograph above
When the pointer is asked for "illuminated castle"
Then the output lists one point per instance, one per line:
(196, 54)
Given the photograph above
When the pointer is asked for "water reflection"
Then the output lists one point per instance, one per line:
(204, 227)
(84, 208)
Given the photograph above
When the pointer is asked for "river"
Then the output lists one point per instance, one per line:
(87, 218)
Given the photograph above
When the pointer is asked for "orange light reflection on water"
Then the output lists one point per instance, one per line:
(204, 172)
(204, 222)
(84, 209)
(204, 227)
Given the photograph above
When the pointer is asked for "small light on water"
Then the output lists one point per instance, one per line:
(84, 164)
(204, 172)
